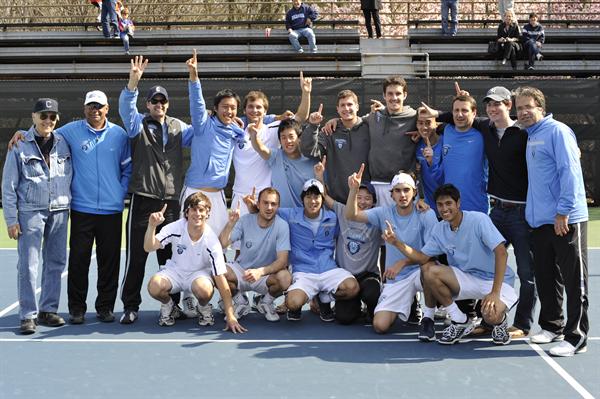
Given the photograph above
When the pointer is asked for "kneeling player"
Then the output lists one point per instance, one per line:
(477, 258)
(196, 265)
(262, 264)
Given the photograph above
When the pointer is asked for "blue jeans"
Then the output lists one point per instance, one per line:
(449, 7)
(513, 227)
(125, 39)
(108, 17)
(49, 228)
(308, 33)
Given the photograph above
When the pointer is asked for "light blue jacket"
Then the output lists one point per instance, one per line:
(102, 166)
(27, 182)
(311, 253)
(212, 145)
(555, 176)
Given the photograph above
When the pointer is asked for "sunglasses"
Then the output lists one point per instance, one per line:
(45, 115)
(95, 106)
(155, 101)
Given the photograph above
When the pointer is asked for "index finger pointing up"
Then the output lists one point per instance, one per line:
(360, 171)
(457, 88)
(195, 55)
(427, 142)
(320, 108)
(164, 209)
(389, 226)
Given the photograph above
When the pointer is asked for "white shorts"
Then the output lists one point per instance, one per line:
(384, 196)
(398, 297)
(259, 286)
(325, 283)
(472, 287)
(183, 282)
(218, 216)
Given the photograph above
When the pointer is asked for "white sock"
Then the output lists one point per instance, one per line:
(429, 312)
(456, 315)
(267, 298)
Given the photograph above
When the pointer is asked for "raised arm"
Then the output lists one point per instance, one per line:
(352, 211)
(309, 140)
(304, 107)
(257, 144)
(319, 170)
(225, 235)
(198, 111)
(154, 220)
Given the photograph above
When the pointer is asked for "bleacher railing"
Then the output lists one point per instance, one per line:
(395, 14)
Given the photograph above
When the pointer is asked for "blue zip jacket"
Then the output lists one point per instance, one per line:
(101, 164)
(212, 145)
(555, 177)
(311, 253)
(27, 182)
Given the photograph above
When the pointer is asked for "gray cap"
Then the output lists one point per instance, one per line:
(497, 93)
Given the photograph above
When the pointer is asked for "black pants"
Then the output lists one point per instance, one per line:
(106, 231)
(560, 265)
(376, 21)
(347, 311)
(135, 262)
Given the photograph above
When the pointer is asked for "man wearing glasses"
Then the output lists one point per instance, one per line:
(102, 165)
(33, 210)
(157, 179)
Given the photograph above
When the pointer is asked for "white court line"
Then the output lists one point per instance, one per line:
(14, 305)
(237, 341)
(562, 372)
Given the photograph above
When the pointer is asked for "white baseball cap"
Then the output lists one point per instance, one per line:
(313, 183)
(403, 178)
(95, 96)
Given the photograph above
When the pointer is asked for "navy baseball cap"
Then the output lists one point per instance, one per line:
(369, 187)
(155, 90)
(46, 105)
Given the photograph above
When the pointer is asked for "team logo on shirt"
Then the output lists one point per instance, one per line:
(450, 250)
(340, 143)
(248, 244)
(241, 145)
(353, 247)
(445, 149)
(181, 248)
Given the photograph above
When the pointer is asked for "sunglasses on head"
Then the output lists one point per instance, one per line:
(45, 115)
(95, 105)
(155, 101)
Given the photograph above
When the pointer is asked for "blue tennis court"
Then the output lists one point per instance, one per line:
(273, 360)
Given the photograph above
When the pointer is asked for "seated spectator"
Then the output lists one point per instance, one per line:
(509, 34)
(533, 39)
(298, 22)
(449, 7)
(126, 28)
(370, 8)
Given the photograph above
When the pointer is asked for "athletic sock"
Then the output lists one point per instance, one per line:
(456, 315)
(503, 320)
(268, 298)
(429, 312)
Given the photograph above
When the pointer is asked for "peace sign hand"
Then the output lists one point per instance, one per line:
(250, 199)
(305, 83)
(157, 218)
(234, 214)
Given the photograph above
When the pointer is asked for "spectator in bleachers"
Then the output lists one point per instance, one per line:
(36, 194)
(504, 6)
(449, 7)
(509, 36)
(298, 22)
(110, 27)
(126, 28)
(370, 8)
(533, 39)
(98, 5)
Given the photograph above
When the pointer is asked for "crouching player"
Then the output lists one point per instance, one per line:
(262, 264)
(196, 265)
(477, 269)
(403, 279)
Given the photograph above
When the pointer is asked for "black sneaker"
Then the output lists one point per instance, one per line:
(294, 315)
(500, 335)
(455, 332)
(50, 319)
(325, 312)
(105, 316)
(27, 326)
(416, 314)
(427, 330)
(128, 317)
(77, 318)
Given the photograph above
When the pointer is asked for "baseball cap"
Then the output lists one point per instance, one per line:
(369, 187)
(403, 178)
(46, 105)
(154, 90)
(96, 96)
(313, 183)
(497, 93)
